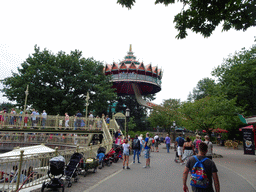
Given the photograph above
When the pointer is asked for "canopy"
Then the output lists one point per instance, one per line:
(247, 127)
(218, 130)
(31, 150)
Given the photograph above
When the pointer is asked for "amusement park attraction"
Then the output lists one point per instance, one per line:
(131, 77)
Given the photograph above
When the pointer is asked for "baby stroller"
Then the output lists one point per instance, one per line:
(119, 152)
(72, 168)
(101, 156)
(55, 173)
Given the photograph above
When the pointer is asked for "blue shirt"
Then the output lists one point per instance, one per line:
(177, 139)
(146, 140)
(167, 140)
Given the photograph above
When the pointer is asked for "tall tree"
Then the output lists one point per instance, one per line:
(204, 87)
(204, 16)
(137, 111)
(209, 113)
(164, 114)
(237, 75)
(59, 83)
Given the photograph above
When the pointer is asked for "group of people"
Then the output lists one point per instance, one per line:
(198, 155)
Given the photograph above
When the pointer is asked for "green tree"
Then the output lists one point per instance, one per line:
(204, 87)
(7, 105)
(209, 113)
(137, 111)
(236, 78)
(59, 83)
(204, 16)
(164, 114)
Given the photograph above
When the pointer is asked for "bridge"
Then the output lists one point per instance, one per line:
(80, 134)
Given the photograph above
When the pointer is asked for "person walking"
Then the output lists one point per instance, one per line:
(168, 143)
(209, 167)
(188, 149)
(147, 151)
(209, 144)
(66, 120)
(44, 116)
(180, 142)
(136, 148)
(156, 138)
(196, 143)
(126, 148)
(141, 143)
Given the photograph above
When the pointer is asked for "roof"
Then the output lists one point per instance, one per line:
(31, 150)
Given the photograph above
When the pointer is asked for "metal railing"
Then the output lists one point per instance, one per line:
(8, 120)
(24, 171)
(136, 77)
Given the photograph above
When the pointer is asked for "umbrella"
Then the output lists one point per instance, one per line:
(248, 127)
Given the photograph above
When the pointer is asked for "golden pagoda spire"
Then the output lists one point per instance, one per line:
(130, 48)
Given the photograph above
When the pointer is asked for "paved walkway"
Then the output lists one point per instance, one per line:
(237, 172)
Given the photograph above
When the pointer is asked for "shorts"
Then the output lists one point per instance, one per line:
(156, 144)
(180, 149)
(146, 151)
(153, 144)
(126, 153)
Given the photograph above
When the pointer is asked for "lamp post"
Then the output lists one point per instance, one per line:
(87, 104)
(174, 133)
(25, 107)
(127, 115)
(26, 97)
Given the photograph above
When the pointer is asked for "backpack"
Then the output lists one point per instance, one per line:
(153, 141)
(136, 144)
(198, 142)
(180, 142)
(149, 143)
(198, 175)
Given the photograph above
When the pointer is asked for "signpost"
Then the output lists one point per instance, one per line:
(248, 141)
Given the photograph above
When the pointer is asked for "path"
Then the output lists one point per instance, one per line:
(237, 172)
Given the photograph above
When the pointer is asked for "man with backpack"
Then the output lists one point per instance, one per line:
(202, 171)
(136, 148)
(179, 142)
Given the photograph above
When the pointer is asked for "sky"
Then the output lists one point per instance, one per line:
(104, 30)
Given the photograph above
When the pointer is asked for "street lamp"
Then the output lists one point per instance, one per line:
(87, 104)
(174, 133)
(127, 115)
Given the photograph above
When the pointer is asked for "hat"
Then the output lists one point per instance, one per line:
(197, 136)
(141, 135)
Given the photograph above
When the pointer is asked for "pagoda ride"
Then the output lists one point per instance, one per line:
(131, 77)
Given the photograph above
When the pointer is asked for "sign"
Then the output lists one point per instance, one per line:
(248, 141)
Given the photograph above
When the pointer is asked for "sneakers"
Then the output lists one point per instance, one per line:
(123, 167)
(139, 162)
(145, 166)
(127, 167)
(133, 161)
(182, 163)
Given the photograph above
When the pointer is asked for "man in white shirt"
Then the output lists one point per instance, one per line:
(44, 116)
(141, 144)
(156, 138)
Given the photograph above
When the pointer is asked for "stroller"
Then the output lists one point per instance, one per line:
(119, 152)
(72, 168)
(101, 156)
(109, 157)
(55, 173)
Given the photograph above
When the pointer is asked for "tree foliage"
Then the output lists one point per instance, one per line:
(204, 87)
(209, 113)
(236, 77)
(204, 16)
(137, 111)
(164, 114)
(59, 83)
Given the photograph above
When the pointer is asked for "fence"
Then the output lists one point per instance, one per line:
(8, 120)
(24, 171)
